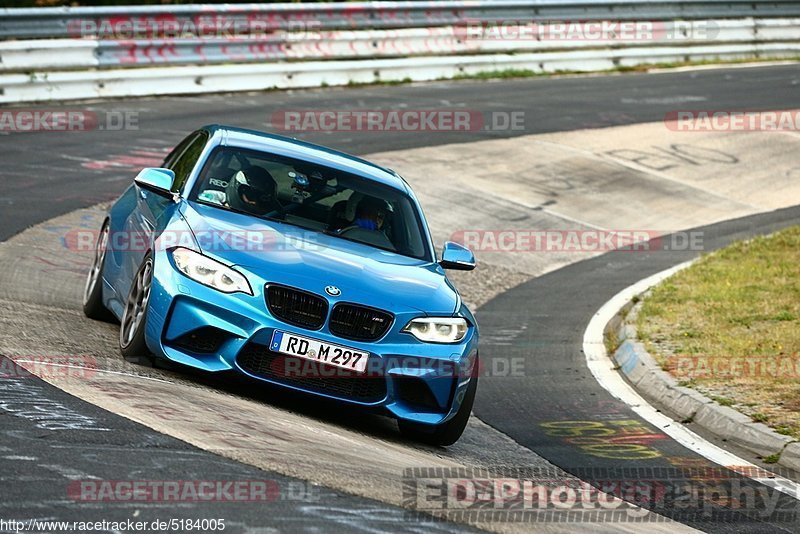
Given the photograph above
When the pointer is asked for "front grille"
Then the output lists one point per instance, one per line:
(203, 340)
(258, 360)
(297, 307)
(359, 322)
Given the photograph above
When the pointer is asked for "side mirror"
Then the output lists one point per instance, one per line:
(457, 257)
(156, 180)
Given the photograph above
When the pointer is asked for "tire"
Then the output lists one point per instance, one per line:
(132, 344)
(449, 432)
(93, 307)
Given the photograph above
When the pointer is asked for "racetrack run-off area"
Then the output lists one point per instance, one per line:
(589, 160)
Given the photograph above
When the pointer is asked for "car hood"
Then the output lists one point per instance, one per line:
(285, 254)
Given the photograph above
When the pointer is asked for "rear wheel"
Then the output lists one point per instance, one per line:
(93, 307)
(132, 343)
(449, 432)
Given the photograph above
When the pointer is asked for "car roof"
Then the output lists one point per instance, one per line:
(295, 148)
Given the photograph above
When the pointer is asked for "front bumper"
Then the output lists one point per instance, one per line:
(197, 326)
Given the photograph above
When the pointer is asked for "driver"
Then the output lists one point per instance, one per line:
(369, 223)
(252, 192)
(371, 213)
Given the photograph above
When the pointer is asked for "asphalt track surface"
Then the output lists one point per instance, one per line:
(542, 321)
(557, 399)
(47, 459)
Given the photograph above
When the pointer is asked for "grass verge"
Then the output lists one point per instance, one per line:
(729, 326)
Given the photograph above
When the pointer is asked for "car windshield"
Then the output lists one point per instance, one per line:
(313, 197)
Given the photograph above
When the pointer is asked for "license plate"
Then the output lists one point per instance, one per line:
(319, 351)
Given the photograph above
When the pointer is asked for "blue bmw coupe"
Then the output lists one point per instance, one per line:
(292, 264)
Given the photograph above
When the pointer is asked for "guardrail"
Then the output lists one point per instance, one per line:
(81, 53)
(103, 22)
(265, 76)
(297, 45)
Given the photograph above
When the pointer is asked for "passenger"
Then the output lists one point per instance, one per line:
(253, 191)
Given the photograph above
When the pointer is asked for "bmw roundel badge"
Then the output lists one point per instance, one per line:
(333, 291)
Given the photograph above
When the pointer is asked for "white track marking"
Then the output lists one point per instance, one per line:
(603, 370)
(645, 170)
(68, 472)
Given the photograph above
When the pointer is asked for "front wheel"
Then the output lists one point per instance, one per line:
(132, 344)
(449, 432)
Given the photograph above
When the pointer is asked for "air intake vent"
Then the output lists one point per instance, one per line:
(258, 360)
(203, 340)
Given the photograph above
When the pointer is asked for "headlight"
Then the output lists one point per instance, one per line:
(438, 329)
(210, 272)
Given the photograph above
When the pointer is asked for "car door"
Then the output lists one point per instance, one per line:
(152, 209)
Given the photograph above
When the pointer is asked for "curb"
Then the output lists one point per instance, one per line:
(656, 385)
